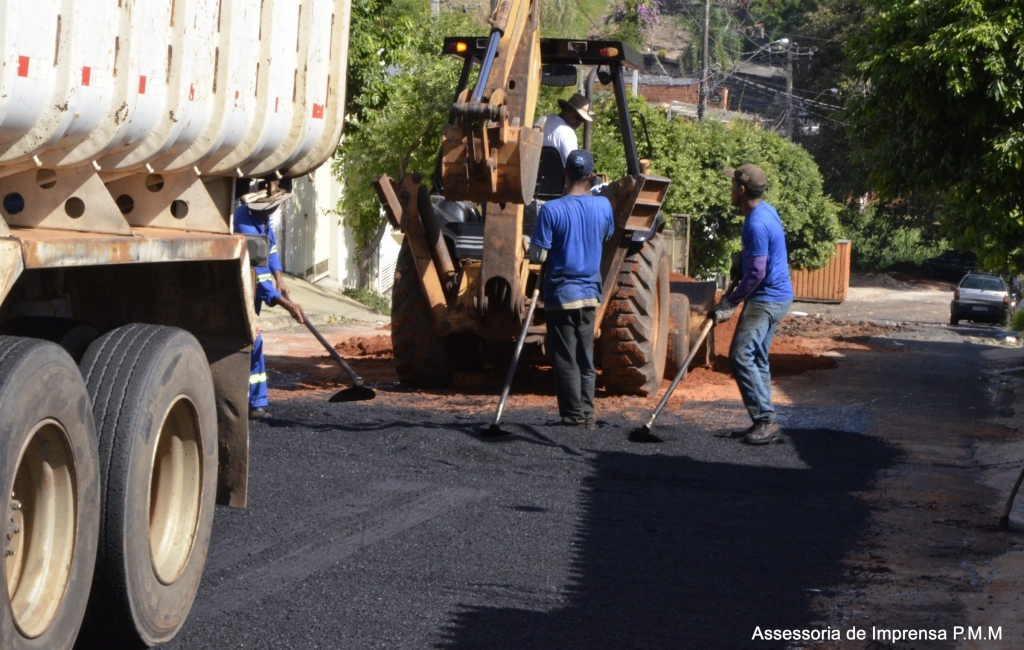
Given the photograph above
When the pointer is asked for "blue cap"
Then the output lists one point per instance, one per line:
(579, 164)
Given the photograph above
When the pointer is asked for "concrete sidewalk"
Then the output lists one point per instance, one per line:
(321, 304)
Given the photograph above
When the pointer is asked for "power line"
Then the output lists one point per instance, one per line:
(776, 91)
(814, 38)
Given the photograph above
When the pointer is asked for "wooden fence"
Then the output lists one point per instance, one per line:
(827, 284)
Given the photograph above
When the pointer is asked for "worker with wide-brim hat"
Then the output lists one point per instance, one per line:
(560, 130)
(252, 217)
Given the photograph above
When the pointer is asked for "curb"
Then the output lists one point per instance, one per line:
(270, 323)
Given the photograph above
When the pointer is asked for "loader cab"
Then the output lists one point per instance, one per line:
(559, 60)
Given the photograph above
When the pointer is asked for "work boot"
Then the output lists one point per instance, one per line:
(762, 433)
(570, 422)
(743, 434)
(259, 413)
(589, 424)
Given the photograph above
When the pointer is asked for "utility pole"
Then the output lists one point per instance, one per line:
(788, 128)
(702, 103)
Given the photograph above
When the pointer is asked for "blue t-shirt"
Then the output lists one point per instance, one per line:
(573, 230)
(763, 236)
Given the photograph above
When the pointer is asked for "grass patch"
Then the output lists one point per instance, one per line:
(371, 299)
(1017, 320)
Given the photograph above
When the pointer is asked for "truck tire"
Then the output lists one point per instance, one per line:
(634, 331)
(72, 335)
(156, 420)
(678, 334)
(49, 469)
(421, 357)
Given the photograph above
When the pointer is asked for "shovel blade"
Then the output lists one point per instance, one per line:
(644, 435)
(354, 394)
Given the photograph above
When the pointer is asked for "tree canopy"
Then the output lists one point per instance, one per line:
(400, 101)
(940, 115)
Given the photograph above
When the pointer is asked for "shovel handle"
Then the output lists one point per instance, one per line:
(682, 371)
(519, 348)
(356, 379)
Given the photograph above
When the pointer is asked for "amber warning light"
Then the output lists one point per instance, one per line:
(608, 51)
(458, 46)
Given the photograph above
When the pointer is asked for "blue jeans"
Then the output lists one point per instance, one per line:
(749, 356)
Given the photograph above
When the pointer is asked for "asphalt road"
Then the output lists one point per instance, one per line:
(375, 527)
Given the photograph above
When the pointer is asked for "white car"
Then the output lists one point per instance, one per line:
(981, 297)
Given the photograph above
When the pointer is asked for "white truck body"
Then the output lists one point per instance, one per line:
(124, 127)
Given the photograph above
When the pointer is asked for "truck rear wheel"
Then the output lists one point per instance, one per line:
(156, 419)
(421, 357)
(635, 328)
(49, 467)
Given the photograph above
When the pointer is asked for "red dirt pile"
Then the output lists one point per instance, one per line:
(365, 346)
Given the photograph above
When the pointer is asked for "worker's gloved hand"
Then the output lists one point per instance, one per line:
(723, 311)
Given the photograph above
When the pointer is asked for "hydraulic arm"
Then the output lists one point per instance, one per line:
(490, 151)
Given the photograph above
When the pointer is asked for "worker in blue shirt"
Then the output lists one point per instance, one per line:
(568, 238)
(766, 293)
(254, 219)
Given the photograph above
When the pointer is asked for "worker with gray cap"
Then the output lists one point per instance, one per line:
(766, 292)
(560, 130)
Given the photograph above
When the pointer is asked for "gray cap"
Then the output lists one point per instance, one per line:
(749, 175)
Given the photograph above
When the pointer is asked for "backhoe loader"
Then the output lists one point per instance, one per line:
(462, 279)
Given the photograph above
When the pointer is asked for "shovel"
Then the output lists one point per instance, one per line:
(643, 434)
(358, 392)
(495, 428)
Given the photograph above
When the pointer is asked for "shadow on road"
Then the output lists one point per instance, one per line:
(677, 553)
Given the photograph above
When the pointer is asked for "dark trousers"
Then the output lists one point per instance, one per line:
(571, 346)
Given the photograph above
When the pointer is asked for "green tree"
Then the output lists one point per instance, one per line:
(405, 91)
(692, 155)
(633, 21)
(780, 17)
(725, 44)
(940, 115)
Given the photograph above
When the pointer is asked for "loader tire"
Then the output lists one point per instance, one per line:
(678, 334)
(635, 328)
(156, 420)
(421, 356)
(49, 472)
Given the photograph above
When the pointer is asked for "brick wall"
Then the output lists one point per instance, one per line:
(688, 94)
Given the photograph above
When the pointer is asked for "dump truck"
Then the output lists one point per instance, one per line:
(462, 278)
(127, 130)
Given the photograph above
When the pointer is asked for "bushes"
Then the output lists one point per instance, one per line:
(1017, 320)
(371, 299)
(692, 154)
(879, 241)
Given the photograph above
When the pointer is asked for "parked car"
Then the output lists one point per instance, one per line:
(951, 265)
(982, 297)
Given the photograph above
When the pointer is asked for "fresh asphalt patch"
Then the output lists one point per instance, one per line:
(375, 527)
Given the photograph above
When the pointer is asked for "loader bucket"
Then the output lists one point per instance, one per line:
(702, 300)
(507, 173)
